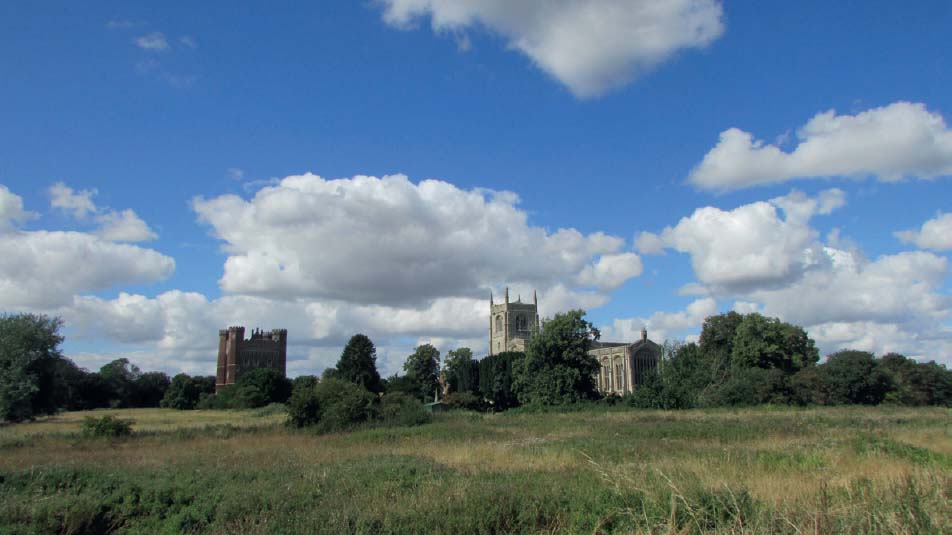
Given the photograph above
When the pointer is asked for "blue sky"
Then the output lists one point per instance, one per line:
(652, 162)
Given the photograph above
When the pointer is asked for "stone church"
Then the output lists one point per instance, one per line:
(623, 366)
(236, 356)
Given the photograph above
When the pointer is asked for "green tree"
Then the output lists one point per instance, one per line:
(854, 377)
(917, 383)
(149, 389)
(557, 368)
(462, 372)
(769, 343)
(272, 384)
(404, 384)
(495, 379)
(423, 367)
(358, 363)
(121, 376)
(184, 391)
(29, 348)
(716, 344)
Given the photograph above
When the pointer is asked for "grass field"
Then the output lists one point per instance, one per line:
(849, 470)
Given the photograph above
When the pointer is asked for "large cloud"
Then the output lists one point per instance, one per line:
(592, 46)
(780, 267)
(387, 241)
(935, 234)
(894, 142)
(50, 267)
(751, 246)
(662, 326)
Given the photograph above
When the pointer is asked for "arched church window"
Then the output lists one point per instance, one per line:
(499, 323)
(521, 324)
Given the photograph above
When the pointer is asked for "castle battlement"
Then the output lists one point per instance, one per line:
(237, 356)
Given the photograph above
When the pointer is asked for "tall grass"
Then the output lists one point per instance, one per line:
(849, 470)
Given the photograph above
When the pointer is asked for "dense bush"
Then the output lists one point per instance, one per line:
(463, 400)
(304, 408)
(106, 427)
(398, 408)
(184, 392)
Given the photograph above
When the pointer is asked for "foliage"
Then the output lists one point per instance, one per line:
(29, 348)
(303, 382)
(423, 367)
(917, 383)
(463, 400)
(304, 407)
(184, 391)
(495, 379)
(234, 396)
(343, 404)
(853, 377)
(106, 427)
(272, 384)
(771, 344)
(749, 386)
(358, 363)
(557, 368)
(120, 377)
(399, 409)
(149, 389)
(462, 372)
(403, 383)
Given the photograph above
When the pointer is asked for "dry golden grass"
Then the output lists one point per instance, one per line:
(786, 460)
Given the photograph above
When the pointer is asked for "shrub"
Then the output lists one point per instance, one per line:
(304, 409)
(272, 385)
(237, 396)
(397, 408)
(344, 404)
(463, 400)
(107, 426)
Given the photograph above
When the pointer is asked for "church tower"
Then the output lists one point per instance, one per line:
(512, 324)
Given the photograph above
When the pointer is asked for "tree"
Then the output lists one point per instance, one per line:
(121, 376)
(495, 379)
(423, 367)
(272, 384)
(917, 383)
(149, 389)
(557, 368)
(29, 347)
(404, 384)
(769, 343)
(184, 391)
(462, 372)
(358, 363)
(716, 344)
(854, 377)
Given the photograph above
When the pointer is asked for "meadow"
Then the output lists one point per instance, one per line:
(593, 470)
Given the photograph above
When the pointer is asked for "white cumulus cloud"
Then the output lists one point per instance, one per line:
(591, 46)
(389, 241)
(662, 325)
(114, 225)
(935, 234)
(894, 142)
(750, 246)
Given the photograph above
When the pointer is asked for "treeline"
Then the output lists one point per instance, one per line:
(738, 360)
(752, 359)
